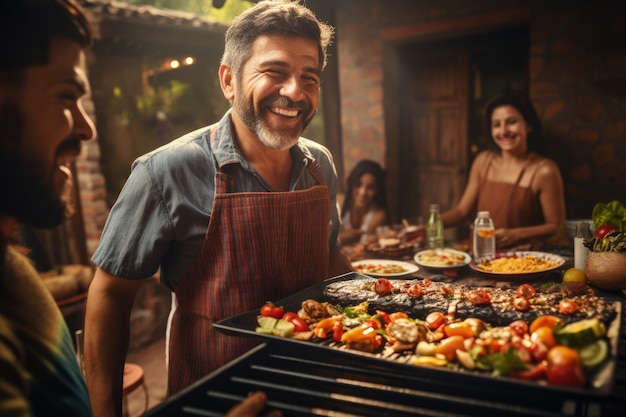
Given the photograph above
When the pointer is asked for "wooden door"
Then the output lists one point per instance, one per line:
(434, 156)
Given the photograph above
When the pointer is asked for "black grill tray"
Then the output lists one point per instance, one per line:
(600, 385)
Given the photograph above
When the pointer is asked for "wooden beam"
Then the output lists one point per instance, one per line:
(443, 28)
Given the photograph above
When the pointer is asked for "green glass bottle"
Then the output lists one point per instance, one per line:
(434, 228)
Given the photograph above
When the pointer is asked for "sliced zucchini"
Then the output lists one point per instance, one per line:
(266, 322)
(594, 353)
(263, 330)
(580, 333)
(283, 328)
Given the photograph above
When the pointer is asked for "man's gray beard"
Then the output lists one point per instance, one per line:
(278, 138)
(275, 140)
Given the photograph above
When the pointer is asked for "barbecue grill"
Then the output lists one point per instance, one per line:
(304, 380)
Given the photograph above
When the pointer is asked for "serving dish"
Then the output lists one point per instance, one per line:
(394, 252)
(408, 267)
(442, 256)
(556, 260)
(601, 383)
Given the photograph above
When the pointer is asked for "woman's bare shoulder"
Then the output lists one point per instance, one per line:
(545, 165)
(546, 169)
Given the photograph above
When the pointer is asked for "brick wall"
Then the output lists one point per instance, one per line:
(575, 45)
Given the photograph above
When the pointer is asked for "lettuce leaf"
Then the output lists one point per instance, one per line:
(613, 213)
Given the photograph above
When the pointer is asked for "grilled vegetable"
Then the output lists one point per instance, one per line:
(610, 222)
(277, 327)
(604, 230)
(594, 353)
(298, 323)
(580, 333)
(271, 310)
(565, 367)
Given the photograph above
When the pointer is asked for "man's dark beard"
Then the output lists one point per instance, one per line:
(27, 192)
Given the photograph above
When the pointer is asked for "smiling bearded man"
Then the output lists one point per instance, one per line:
(231, 215)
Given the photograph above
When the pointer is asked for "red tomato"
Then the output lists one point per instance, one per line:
(435, 319)
(271, 310)
(538, 351)
(337, 331)
(383, 316)
(531, 373)
(297, 321)
(568, 307)
(604, 230)
(478, 297)
(521, 303)
(526, 291)
(383, 286)
(520, 327)
(373, 322)
(565, 367)
(415, 290)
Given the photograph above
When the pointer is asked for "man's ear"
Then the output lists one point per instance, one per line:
(227, 80)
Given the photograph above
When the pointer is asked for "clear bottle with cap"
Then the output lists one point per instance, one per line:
(484, 236)
(434, 228)
(580, 250)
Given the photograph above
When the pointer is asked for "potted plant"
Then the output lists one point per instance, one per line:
(606, 262)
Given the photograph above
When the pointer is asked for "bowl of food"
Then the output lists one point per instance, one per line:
(444, 258)
(515, 265)
(606, 260)
(607, 270)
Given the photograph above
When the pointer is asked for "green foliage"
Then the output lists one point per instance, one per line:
(202, 7)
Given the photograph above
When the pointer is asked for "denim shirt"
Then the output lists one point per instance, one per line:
(162, 213)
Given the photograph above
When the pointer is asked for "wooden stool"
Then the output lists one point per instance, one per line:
(133, 379)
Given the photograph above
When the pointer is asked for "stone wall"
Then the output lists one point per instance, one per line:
(577, 59)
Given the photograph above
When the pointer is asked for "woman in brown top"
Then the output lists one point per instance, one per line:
(522, 190)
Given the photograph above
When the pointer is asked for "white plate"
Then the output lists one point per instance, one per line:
(522, 274)
(465, 258)
(410, 268)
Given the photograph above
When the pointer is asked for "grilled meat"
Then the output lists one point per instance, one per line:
(461, 301)
(313, 311)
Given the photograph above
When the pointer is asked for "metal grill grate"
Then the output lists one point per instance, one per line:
(304, 381)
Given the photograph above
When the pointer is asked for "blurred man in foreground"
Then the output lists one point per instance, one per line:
(42, 125)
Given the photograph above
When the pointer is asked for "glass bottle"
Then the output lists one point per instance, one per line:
(580, 250)
(434, 228)
(484, 237)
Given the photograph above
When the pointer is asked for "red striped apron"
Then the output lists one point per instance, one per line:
(259, 246)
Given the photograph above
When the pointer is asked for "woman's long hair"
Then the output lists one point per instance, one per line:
(367, 166)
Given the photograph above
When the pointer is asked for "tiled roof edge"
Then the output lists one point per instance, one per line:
(148, 14)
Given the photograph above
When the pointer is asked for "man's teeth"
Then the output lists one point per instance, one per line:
(285, 112)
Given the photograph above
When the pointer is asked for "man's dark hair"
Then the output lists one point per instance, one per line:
(273, 17)
(519, 100)
(26, 27)
(26, 30)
